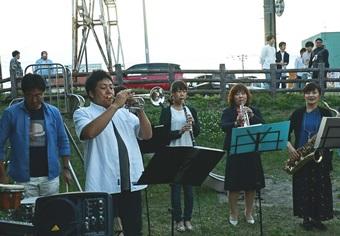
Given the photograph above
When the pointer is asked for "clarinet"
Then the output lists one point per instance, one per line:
(191, 133)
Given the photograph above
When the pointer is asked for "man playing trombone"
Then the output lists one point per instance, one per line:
(113, 161)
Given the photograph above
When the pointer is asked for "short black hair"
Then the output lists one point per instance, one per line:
(303, 50)
(311, 87)
(309, 44)
(270, 37)
(93, 79)
(15, 53)
(282, 43)
(178, 85)
(319, 39)
(43, 53)
(32, 81)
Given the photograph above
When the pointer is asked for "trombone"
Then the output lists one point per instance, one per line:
(156, 96)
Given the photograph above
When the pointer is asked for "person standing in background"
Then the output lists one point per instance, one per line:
(45, 70)
(268, 57)
(282, 60)
(306, 55)
(15, 65)
(243, 171)
(180, 122)
(312, 187)
(300, 65)
(37, 138)
(319, 55)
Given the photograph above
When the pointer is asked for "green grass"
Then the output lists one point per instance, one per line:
(211, 211)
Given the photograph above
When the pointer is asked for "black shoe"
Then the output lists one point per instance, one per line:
(319, 225)
(307, 226)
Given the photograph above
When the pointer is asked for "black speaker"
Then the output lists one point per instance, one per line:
(74, 214)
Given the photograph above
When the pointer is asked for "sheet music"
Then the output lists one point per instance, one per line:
(265, 137)
(328, 135)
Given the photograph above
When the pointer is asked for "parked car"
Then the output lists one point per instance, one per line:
(216, 85)
(131, 75)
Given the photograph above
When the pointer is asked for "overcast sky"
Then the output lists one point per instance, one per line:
(196, 34)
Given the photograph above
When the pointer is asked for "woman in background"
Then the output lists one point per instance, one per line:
(243, 171)
(180, 122)
(312, 188)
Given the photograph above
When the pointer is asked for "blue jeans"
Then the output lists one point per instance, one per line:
(176, 190)
(267, 85)
(128, 206)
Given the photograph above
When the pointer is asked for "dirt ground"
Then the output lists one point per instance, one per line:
(280, 193)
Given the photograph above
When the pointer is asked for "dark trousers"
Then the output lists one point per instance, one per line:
(278, 77)
(176, 190)
(128, 206)
(316, 76)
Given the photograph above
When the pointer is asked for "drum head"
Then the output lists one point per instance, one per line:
(10, 196)
(11, 188)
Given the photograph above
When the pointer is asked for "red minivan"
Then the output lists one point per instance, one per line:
(132, 76)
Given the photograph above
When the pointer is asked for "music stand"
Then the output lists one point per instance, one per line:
(329, 133)
(152, 145)
(181, 165)
(260, 138)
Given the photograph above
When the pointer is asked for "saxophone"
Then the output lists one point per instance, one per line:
(306, 152)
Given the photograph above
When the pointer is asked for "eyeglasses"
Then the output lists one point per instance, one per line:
(36, 96)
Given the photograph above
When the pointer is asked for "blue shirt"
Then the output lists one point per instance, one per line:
(44, 69)
(15, 126)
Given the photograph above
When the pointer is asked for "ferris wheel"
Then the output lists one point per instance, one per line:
(96, 22)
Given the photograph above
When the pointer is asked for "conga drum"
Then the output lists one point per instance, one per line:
(10, 196)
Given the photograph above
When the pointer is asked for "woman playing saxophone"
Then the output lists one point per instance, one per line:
(312, 190)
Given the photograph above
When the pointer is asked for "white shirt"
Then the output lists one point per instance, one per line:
(178, 119)
(101, 154)
(299, 65)
(268, 56)
(306, 58)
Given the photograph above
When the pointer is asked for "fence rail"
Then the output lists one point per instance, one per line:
(222, 78)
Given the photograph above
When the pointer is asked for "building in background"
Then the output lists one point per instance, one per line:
(331, 41)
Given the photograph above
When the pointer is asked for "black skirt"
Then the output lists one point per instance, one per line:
(244, 172)
(312, 190)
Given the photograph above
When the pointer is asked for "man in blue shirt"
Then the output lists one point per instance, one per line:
(37, 138)
(45, 70)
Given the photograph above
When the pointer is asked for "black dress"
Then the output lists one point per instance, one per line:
(312, 188)
(243, 171)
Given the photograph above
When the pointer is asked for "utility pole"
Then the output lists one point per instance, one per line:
(272, 8)
(242, 58)
(269, 19)
(147, 59)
